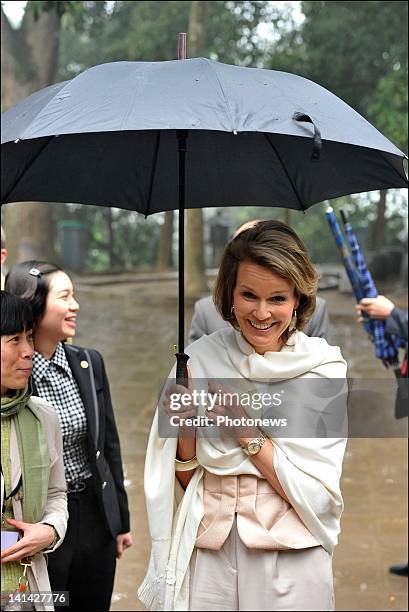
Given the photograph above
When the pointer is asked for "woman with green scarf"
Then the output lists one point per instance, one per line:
(33, 490)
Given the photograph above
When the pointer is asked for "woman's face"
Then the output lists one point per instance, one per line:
(263, 304)
(59, 320)
(16, 360)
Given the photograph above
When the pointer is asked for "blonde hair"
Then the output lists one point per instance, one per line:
(275, 246)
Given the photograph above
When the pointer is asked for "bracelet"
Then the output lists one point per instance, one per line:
(56, 536)
(186, 460)
(186, 466)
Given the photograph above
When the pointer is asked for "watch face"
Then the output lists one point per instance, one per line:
(253, 447)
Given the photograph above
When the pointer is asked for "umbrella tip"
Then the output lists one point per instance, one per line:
(182, 45)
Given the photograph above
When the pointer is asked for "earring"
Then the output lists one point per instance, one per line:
(293, 323)
(232, 311)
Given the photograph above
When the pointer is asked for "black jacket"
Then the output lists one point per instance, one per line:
(397, 325)
(88, 369)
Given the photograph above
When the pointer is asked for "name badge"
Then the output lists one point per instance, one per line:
(8, 538)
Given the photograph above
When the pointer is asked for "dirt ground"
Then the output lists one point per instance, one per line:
(134, 325)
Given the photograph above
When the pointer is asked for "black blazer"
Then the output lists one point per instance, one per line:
(88, 369)
(397, 325)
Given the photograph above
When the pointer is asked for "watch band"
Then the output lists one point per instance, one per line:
(259, 441)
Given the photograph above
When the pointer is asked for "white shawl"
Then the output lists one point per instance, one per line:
(309, 469)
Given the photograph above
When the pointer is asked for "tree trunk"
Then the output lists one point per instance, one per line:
(164, 259)
(378, 227)
(196, 283)
(30, 232)
(111, 240)
(30, 58)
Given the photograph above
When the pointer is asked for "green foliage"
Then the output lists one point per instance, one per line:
(38, 8)
(356, 49)
(148, 31)
(135, 239)
(313, 229)
(74, 12)
(389, 107)
(349, 48)
(311, 226)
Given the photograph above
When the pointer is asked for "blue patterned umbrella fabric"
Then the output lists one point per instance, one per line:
(386, 348)
(345, 256)
(363, 286)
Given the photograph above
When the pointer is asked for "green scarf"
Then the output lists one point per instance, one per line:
(34, 452)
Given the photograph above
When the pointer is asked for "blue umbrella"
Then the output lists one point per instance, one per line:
(345, 256)
(363, 286)
(386, 347)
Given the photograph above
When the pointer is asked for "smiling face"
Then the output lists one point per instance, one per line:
(16, 360)
(264, 303)
(59, 320)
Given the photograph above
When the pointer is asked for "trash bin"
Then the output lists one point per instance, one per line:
(72, 238)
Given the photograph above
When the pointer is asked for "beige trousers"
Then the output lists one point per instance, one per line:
(240, 578)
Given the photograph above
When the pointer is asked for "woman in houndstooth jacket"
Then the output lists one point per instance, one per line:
(74, 381)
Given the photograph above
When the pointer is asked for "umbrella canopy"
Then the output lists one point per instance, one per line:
(255, 137)
(119, 135)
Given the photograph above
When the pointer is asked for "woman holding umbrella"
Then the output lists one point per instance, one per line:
(249, 521)
(74, 381)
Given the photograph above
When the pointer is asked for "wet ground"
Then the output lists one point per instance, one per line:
(134, 325)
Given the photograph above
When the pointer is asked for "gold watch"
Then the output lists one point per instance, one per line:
(254, 446)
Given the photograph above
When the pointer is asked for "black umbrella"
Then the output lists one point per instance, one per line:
(117, 135)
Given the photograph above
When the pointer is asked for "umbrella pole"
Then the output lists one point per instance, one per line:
(181, 135)
(181, 357)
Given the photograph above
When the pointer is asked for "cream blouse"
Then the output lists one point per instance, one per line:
(264, 519)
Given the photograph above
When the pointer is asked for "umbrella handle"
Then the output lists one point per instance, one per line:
(182, 377)
(316, 149)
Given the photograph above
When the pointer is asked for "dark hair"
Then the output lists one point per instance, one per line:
(30, 280)
(16, 315)
(275, 246)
